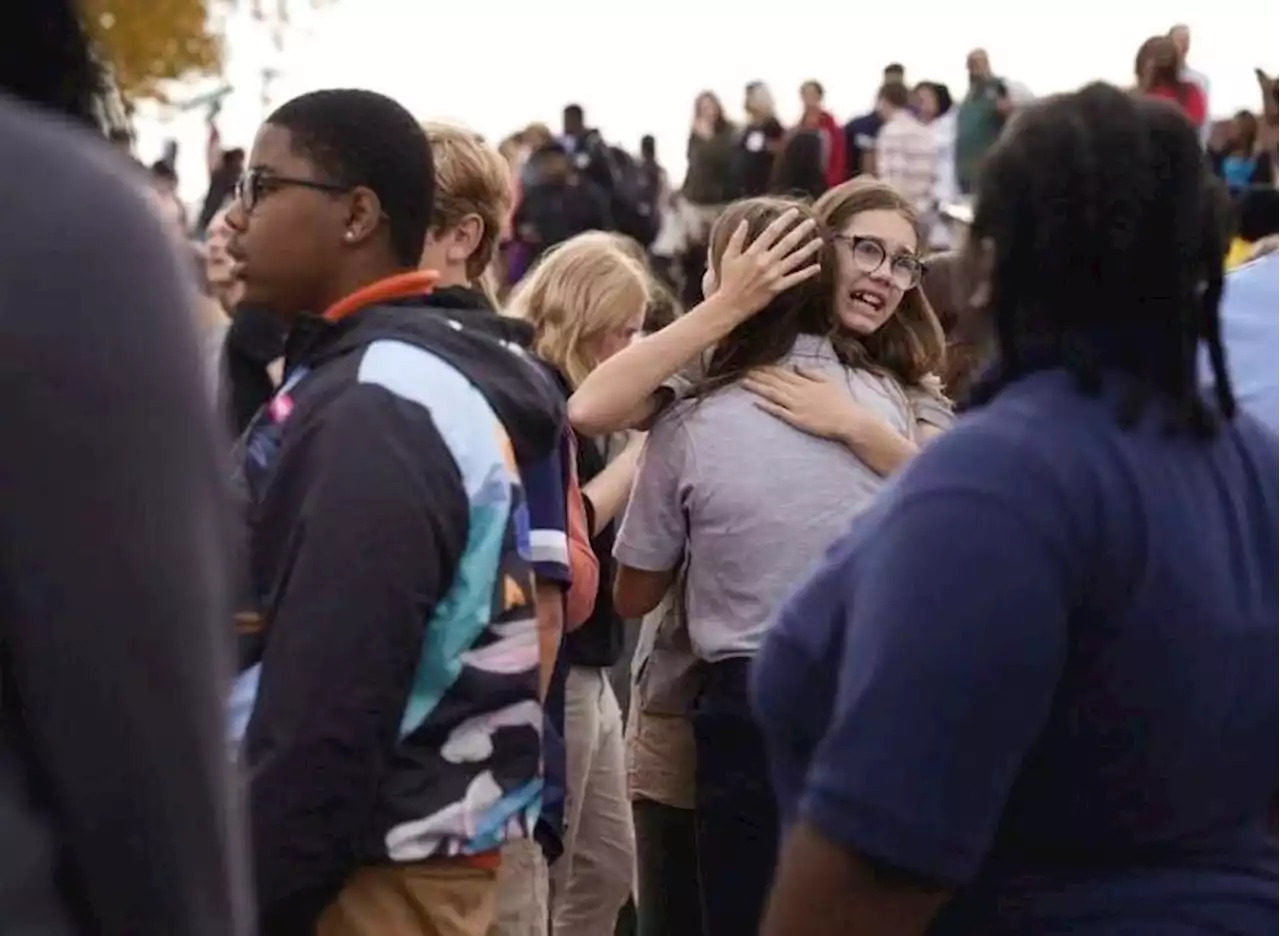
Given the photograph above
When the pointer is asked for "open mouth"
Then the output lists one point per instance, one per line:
(868, 299)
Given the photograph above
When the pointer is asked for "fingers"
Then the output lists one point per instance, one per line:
(781, 412)
(769, 236)
(769, 386)
(736, 240)
(796, 278)
(800, 254)
(803, 231)
(772, 375)
(809, 374)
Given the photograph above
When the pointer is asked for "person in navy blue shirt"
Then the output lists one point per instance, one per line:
(1034, 689)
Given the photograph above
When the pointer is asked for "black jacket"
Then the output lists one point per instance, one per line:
(370, 477)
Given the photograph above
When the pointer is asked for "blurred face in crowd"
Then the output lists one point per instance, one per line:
(1181, 36)
(574, 121)
(707, 109)
(172, 215)
(811, 96)
(554, 166)
(926, 102)
(877, 262)
(759, 102)
(979, 65)
(609, 342)
(1160, 62)
(1243, 127)
(219, 267)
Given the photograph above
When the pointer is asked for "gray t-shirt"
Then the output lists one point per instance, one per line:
(752, 500)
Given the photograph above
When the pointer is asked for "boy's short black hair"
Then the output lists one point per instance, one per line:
(362, 138)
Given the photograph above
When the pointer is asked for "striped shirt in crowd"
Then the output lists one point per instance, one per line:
(907, 159)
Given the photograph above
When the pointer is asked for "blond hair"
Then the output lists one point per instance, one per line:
(579, 290)
(471, 179)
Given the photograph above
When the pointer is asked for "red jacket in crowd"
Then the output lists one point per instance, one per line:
(833, 146)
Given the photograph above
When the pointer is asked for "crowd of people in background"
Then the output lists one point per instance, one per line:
(917, 136)
(875, 533)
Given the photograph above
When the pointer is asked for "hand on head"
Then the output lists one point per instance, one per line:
(751, 275)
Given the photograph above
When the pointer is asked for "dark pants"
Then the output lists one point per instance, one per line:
(737, 815)
(667, 866)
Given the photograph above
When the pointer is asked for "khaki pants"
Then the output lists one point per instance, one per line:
(593, 878)
(429, 899)
(522, 901)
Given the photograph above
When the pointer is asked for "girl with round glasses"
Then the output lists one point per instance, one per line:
(748, 478)
(882, 401)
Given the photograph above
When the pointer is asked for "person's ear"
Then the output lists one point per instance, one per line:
(364, 212)
(464, 238)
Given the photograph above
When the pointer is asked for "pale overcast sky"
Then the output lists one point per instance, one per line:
(499, 64)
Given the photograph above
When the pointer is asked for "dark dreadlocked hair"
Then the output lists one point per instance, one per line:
(1106, 252)
(47, 61)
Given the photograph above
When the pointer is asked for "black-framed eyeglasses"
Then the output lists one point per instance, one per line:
(869, 254)
(256, 184)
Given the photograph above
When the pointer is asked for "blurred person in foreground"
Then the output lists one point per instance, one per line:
(116, 807)
(1072, 728)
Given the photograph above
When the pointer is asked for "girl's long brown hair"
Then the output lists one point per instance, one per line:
(767, 336)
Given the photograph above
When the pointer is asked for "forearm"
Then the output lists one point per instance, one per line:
(619, 394)
(823, 889)
(550, 605)
(608, 491)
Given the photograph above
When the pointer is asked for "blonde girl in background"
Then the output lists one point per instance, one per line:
(586, 300)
